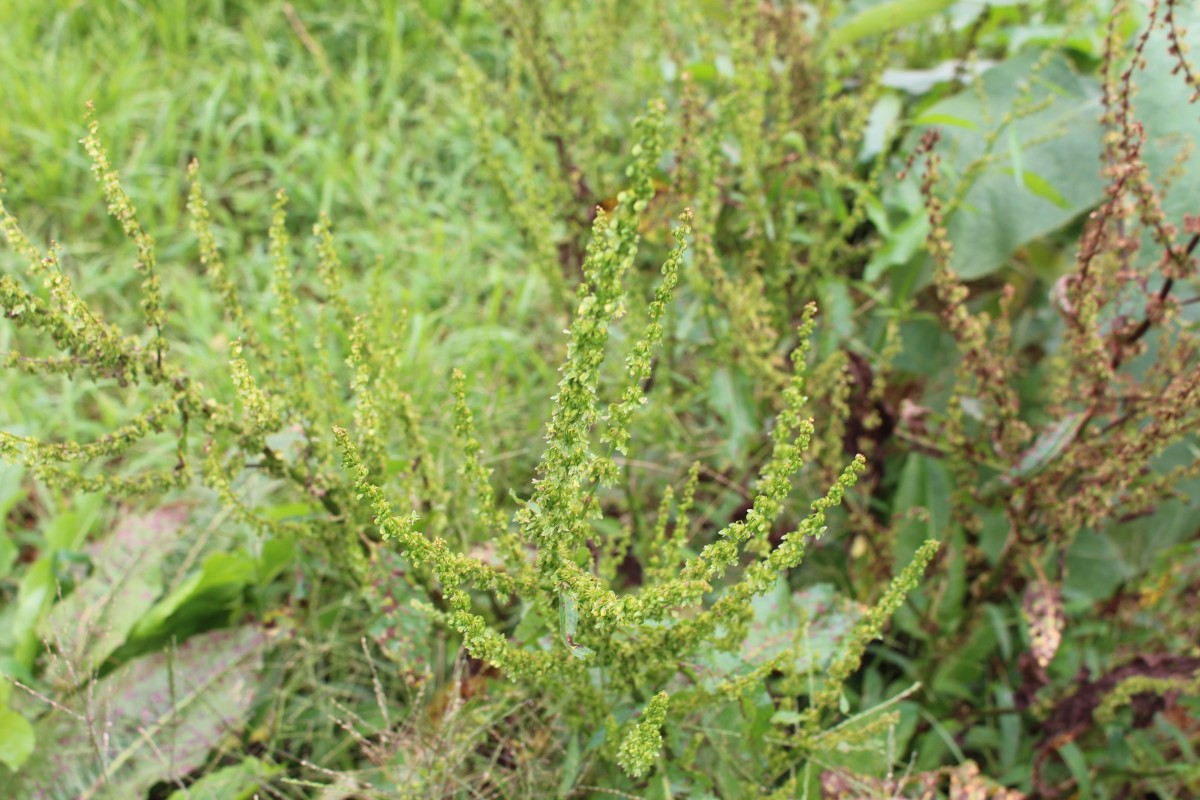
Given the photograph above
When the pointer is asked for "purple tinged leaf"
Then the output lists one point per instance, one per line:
(151, 720)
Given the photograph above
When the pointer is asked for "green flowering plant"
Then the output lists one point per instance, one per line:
(615, 649)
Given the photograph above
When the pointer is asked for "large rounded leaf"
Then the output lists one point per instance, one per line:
(1039, 173)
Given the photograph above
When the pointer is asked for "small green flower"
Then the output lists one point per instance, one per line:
(642, 744)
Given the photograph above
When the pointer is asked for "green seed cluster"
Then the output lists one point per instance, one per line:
(331, 369)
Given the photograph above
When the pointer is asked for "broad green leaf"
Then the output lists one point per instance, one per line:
(951, 597)
(1010, 728)
(837, 310)
(16, 739)
(993, 534)
(238, 782)
(274, 556)
(786, 718)
(1042, 188)
(1079, 767)
(731, 395)
(920, 82)
(922, 502)
(905, 242)
(1000, 628)
(959, 673)
(1094, 569)
(1050, 173)
(812, 623)
(19, 620)
(882, 125)
(161, 716)
(299, 509)
(1014, 154)
(703, 72)
(532, 628)
(1152, 544)
(885, 17)
(573, 760)
(1172, 123)
(63, 533)
(69, 529)
(220, 581)
(568, 617)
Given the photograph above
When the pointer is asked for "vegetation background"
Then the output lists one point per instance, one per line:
(990, 204)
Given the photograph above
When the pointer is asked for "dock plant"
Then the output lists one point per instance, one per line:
(818, 385)
(546, 612)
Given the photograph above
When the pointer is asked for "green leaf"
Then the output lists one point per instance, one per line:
(218, 583)
(1077, 763)
(1051, 174)
(1010, 728)
(276, 554)
(731, 394)
(238, 782)
(1000, 629)
(532, 629)
(568, 623)
(885, 17)
(924, 487)
(837, 311)
(63, 533)
(899, 248)
(297, 510)
(1014, 154)
(1163, 105)
(19, 621)
(16, 739)
(70, 529)
(786, 718)
(932, 118)
(812, 623)
(568, 617)
(882, 124)
(1095, 568)
(921, 82)
(1043, 188)
(703, 72)
(1049, 444)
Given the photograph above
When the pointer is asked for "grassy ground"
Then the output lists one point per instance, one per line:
(364, 127)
